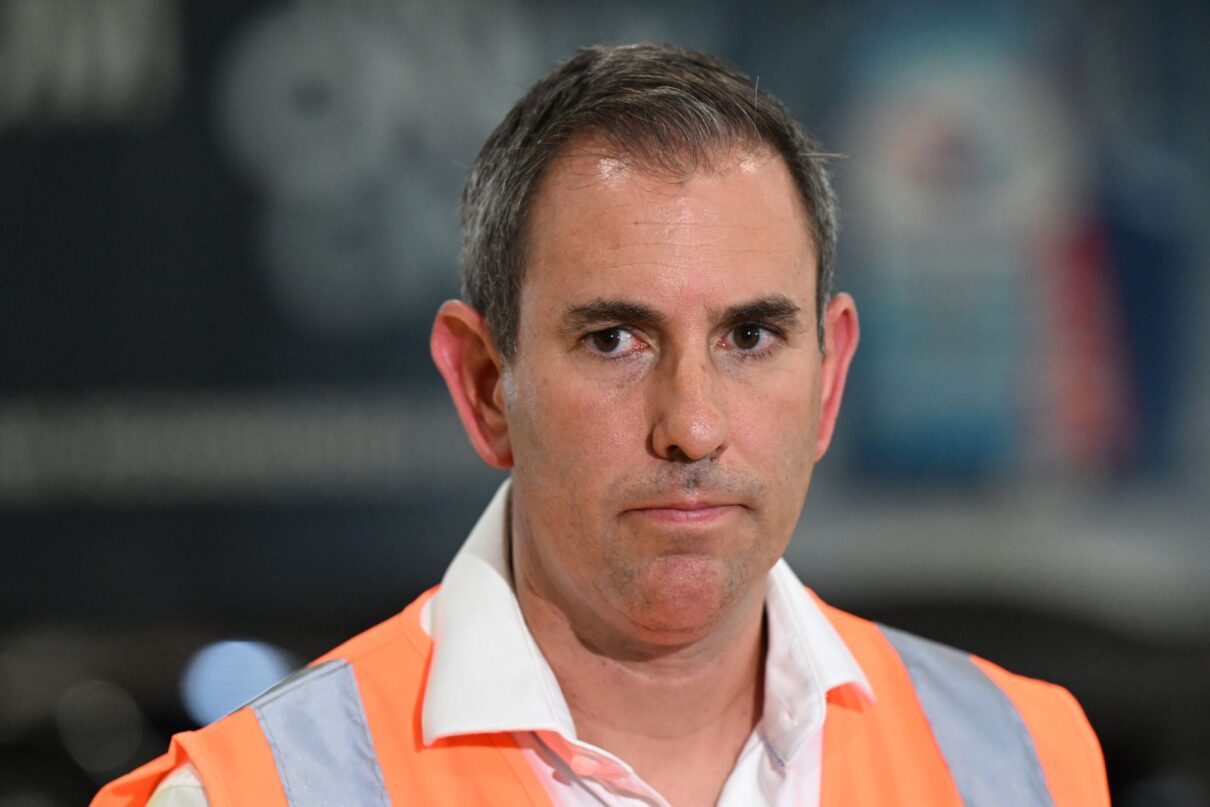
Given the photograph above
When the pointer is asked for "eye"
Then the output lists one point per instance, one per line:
(748, 336)
(612, 342)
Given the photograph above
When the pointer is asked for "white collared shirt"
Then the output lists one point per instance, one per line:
(488, 675)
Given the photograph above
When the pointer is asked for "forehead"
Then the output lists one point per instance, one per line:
(605, 225)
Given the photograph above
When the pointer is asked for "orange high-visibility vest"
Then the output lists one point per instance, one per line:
(945, 729)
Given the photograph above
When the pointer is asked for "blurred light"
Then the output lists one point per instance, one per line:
(223, 676)
(100, 725)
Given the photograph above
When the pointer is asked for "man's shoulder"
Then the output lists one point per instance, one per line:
(973, 704)
(396, 646)
(875, 643)
(402, 635)
(869, 638)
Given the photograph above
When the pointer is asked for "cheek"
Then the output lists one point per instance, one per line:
(777, 423)
(573, 432)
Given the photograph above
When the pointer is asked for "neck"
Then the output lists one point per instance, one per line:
(658, 691)
(678, 713)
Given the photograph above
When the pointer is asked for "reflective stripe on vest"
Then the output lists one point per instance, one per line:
(984, 741)
(316, 727)
(317, 730)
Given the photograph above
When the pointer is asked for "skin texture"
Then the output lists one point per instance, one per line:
(662, 418)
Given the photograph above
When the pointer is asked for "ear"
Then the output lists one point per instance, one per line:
(462, 348)
(841, 334)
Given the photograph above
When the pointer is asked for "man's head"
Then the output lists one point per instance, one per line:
(662, 107)
(666, 384)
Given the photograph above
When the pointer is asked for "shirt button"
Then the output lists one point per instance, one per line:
(584, 765)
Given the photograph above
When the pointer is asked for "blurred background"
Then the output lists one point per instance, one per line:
(225, 226)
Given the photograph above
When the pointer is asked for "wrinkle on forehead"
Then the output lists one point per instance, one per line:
(593, 171)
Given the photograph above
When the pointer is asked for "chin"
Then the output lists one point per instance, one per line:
(682, 598)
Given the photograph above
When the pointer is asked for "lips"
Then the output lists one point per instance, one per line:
(686, 511)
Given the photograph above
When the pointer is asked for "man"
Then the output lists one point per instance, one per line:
(649, 342)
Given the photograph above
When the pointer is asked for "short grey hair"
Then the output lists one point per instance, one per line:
(670, 109)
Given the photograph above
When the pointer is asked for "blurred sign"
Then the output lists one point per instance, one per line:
(966, 165)
(185, 448)
(87, 61)
(356, 133)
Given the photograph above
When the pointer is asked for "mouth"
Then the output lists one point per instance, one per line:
(687, 512)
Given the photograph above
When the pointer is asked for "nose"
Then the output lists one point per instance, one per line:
(690, 416)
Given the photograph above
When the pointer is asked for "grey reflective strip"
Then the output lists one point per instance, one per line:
(316, 727)
(981, 735)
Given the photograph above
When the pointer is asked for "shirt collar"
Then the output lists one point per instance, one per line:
(488, 674)
(805, 660)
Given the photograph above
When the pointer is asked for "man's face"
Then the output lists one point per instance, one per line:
(663, 405)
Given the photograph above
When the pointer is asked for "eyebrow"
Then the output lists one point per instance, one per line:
(774, 309)
(602, 310)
